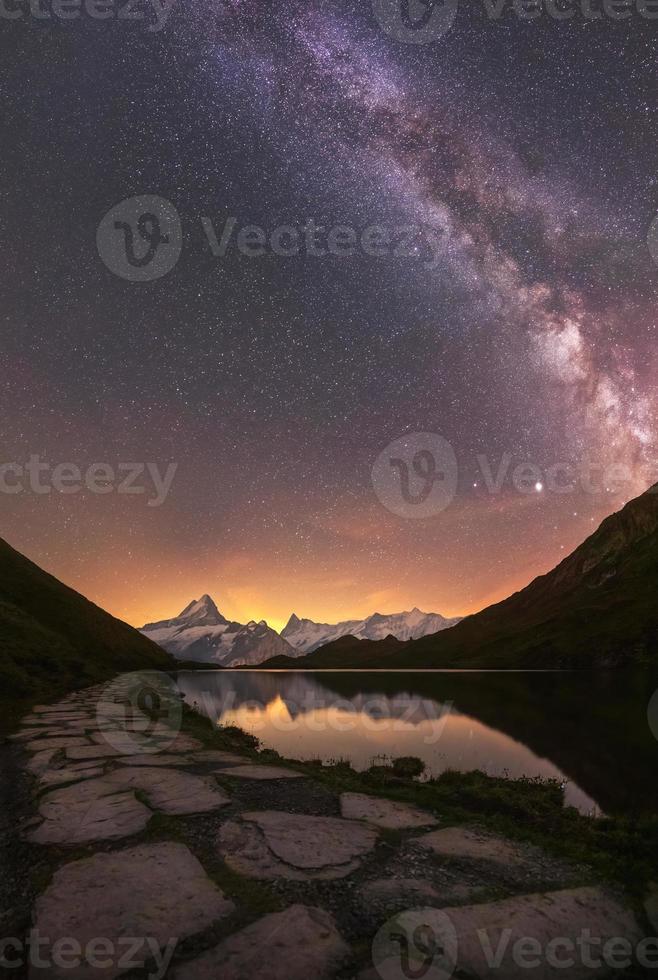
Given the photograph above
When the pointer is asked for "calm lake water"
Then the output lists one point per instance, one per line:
(591, 731)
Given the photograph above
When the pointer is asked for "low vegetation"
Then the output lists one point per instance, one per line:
(620, 850)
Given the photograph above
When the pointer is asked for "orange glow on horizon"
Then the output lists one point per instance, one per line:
(477, 553)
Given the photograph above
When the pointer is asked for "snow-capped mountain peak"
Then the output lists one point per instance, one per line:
(306, 635)
(199, 612)
(200, 633)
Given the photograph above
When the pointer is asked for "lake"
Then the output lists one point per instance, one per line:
(590, 731)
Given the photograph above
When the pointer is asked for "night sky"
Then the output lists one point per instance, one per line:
(524, 151)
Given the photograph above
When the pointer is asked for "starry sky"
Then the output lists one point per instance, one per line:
(522, 321)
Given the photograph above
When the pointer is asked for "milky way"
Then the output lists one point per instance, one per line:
(519, 156)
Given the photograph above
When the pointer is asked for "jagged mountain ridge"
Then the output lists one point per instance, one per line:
(307, 635)
(201, 634)
(199, 612)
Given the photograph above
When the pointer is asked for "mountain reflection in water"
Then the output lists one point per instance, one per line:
(588, 731)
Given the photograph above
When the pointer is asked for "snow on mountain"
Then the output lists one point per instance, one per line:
(202, 634)
(306, 636)
(200, 612)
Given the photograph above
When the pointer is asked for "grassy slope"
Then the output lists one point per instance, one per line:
(52, 639)
(597, 608)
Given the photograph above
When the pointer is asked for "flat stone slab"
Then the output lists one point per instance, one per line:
(60, 713)
(61, 708)
(73, 728)
(53, 719)
(122, 721)
(313, 842)
(87, 811)
(107, 736)
(244, 849)
(158, 891)
(383, 897)
(131, 731)
(261, 772)
(107, 809)
(83, 766)
(389, 814)
(36, 721)
(460, 842)
(43, 744)
(275, 844)
(79, 752)
(155, 759)
(127, 744)
(541, 917)
(28, 733)
(70, 774)
(297, 944)
(172, 791)
(138, 741)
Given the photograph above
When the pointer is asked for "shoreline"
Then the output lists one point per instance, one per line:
(558, 848)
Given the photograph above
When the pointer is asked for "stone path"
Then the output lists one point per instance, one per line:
(275, 844)
(297, 944)
(463, 844)
(543, 918)
(216, 864)
(105, 808)
(388, 814)
(157, 891)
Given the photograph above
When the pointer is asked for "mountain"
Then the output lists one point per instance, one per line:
(200, 612)
(307, 636)
(598, 608)
(200, 633)
(346, 652)
(52, 639)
